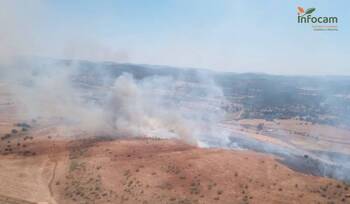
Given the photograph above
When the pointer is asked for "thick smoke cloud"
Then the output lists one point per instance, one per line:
(156, 106)
(167, 108)
(137, 109)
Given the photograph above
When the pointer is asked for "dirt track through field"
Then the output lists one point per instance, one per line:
(53, 175)
(10, 200)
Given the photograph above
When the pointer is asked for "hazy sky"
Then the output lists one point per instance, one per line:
(228, 35)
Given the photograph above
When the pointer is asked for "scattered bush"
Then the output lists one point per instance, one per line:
(23, 125)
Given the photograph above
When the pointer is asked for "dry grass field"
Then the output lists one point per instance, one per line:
(39, 164)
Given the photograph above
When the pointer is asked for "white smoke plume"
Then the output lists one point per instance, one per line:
(152, 107)
(156, 106)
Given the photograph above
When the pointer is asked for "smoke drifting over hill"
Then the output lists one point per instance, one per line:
(123, 100)
(155, 106)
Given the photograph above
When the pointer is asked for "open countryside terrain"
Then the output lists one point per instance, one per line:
(49, 160)
(104, 170)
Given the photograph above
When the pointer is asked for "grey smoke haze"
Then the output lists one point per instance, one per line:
(156, 106)
(16, 34)
(24, 33)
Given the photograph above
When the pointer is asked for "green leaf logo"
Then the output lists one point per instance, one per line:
(309, 11)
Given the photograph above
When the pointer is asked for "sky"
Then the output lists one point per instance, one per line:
(222, 35)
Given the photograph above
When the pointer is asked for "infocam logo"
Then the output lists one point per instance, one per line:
(307, 16)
